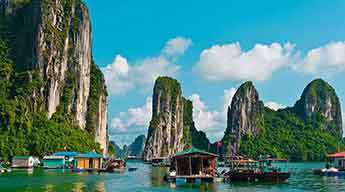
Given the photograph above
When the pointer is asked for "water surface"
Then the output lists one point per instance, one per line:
(151, 179)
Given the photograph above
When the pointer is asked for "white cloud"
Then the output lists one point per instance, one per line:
(121, 76)
(117, 76)
(274, 106)
(227, 98)
(203, 118)
(325, 60)
(176, 46)
(151, 68)
(213, 123)
(133, 120)
(230, 62)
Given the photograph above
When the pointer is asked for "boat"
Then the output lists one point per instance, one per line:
(160, 162)
(134, 158)
(115, 165)
(254, 171)
(3, 169)
(132, 169)
(335, 166)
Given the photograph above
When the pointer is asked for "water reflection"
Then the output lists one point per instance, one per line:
(78, 187)
(157, 175)
(100, 187)
(147, 179)
(212, 187)
(49, 188)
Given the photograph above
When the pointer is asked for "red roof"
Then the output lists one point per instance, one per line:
(337, 155)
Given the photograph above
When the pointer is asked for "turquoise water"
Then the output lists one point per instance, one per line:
(150, 179)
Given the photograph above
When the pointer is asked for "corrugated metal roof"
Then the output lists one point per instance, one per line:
(194, 150)
(66, 153)
(53, 157)
(22, 157)
(90, 155)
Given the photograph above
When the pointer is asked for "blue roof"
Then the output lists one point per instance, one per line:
(90, 155)
(66, 153)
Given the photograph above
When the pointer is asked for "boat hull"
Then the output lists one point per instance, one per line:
(258, 177)
(329, 173)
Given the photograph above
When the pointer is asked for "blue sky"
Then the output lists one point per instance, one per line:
(212, 48)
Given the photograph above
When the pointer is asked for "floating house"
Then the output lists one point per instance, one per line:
(69, 157)
(335, 166)
(24, 161)
(53, 162)
(89, 161)
(193, 164)
(337, 160)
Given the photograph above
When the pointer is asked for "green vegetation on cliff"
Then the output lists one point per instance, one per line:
(169, 89)
(97, 90)
(193, 137)
(288, 136)
(24, 132)
(24, 124)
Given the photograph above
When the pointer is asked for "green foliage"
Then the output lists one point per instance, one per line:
(192, 136)
(288, 136)
(24, 129)
(111, 151)
(169, 87)
(97, 89)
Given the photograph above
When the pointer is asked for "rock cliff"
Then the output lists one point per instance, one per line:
(309, 130)
(134, 149)
(320, 98)
(195, 138)
(245, 117)
(51, 39)
(166, 131)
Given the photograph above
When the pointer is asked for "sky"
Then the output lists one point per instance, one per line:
(212, 47)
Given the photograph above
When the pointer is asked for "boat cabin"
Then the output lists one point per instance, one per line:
(115, 165)
(337, 160)
(89, 161)
(194, 164)
(53, 162)
(25, 161)
(244, 164)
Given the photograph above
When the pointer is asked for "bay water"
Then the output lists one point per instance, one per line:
(147, 178)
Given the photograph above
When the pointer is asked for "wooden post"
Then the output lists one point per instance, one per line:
(177, 172)
(202, 165)
(190, 165)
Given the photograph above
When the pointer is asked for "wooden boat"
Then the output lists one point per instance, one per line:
(132, 169)
(256, 171)
(160, 162)
(115, 165)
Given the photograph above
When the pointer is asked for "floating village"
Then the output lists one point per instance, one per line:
(188, 166)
